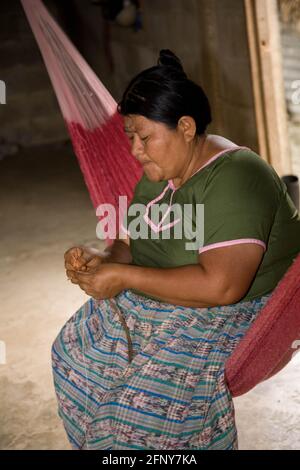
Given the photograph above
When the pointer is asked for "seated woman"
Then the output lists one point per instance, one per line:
(141, 364)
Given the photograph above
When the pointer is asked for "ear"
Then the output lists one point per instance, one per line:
(187, 126)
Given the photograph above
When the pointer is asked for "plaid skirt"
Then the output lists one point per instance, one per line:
(162, 387)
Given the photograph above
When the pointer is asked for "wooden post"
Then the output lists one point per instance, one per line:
(267, 76)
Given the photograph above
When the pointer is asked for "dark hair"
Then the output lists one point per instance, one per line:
(164, 93)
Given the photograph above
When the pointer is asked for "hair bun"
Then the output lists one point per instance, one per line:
(167, 58)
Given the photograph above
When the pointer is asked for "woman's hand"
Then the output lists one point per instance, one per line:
(105, 282)
(81, 258)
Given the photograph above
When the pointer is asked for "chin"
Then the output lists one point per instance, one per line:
(152, 176)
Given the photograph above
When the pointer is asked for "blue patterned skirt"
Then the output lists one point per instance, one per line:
(172, 394)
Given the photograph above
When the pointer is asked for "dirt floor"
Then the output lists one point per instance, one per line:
(45, 209)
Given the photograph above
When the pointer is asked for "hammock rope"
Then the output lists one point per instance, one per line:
(90, 114)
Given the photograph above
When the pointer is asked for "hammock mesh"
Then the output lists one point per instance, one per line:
(90, 114)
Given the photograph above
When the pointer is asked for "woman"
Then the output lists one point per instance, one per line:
(141, 364)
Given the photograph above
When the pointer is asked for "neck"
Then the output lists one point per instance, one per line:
(195, 162)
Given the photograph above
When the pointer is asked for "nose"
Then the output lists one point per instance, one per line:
(137, 147)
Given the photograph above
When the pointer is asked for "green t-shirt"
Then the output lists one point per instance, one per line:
(236, 197)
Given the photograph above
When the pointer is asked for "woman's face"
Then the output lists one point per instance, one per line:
(162, 152)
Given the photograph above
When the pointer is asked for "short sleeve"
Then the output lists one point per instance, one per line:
(240, 199)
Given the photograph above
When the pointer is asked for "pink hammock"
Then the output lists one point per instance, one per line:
(90, 114)
(109, 170)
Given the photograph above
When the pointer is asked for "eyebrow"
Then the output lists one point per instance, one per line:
(127, 129)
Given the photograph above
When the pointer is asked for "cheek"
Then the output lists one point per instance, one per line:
(154, 153)
(160, 153)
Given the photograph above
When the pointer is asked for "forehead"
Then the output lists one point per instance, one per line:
(134, 123)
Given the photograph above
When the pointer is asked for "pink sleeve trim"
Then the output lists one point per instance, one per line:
(233, 242)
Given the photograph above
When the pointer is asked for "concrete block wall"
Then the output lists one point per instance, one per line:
(208, 35)
(31, 115)
(166, 24)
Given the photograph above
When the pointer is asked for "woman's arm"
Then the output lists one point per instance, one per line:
(222, 277)
(118, 252)
(178, 286)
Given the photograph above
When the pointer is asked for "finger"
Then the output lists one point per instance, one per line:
(75, 259)
(90, 254)
(94, 294)
(70, 267)
(83, 267)
(71, 258)
(89, 292)
(78, 252)
(86, 258)
(83, 276)
(91, 270)
(70, 273)
(94, 262)
(91, 265)
(84, 286)
(72, 277)
(80, 264)
(71, 251)
(73, 254)
(87, 289)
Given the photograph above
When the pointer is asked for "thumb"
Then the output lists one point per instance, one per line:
(93, 263)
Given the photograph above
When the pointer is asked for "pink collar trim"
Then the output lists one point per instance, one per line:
(234, 149)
